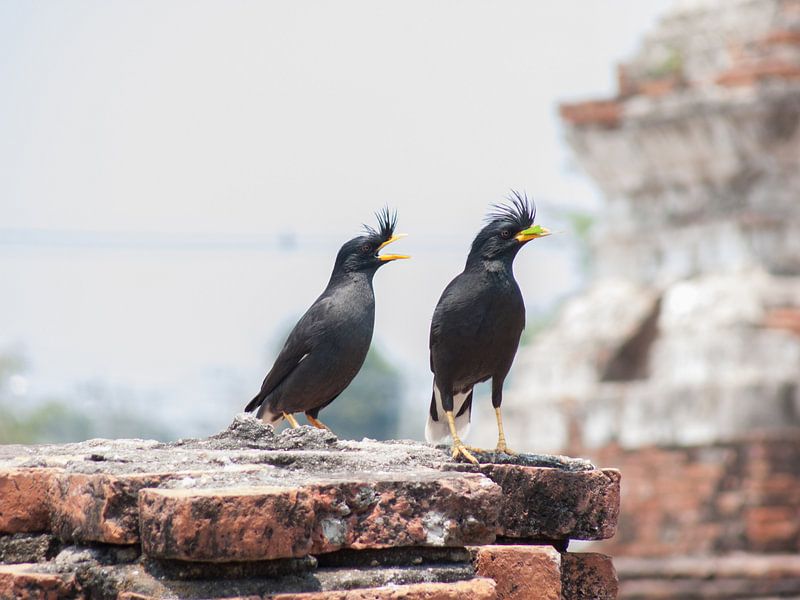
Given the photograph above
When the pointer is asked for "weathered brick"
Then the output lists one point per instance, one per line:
(521, 572)
(26, 582)
(588, 576)
(607, 113)
(98, 507)
(421, 510)
(475, 589)
(554, 504)
(23, 500)
(234, 524)
(260, 523)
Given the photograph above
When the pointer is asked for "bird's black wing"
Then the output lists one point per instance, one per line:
(298, 346)
(457, 315)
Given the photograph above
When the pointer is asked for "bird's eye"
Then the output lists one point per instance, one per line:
(505, 234)
(366, 248)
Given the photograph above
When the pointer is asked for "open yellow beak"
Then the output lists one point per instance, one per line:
(388, 257)
(532, 233)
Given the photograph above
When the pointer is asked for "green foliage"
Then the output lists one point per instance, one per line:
(537, 324)
(581, 224)
(371, 404)
(55, 420)
(671, 64)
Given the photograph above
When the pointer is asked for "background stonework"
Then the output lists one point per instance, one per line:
(680, 362)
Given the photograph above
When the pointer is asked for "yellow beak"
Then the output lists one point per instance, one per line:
(388, 257)
(532, 233)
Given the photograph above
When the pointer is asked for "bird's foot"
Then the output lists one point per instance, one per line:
(478, 450)
(461, 449)
(317, 423)
(291, 420)
(503, 449)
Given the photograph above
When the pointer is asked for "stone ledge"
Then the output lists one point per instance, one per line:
(299, 514)
(266, 523)
(512, 572)
(741, 575)
(27, 581)
(93, 492)
(478, 589)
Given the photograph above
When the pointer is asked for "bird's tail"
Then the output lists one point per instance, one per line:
(264, 412)
(437, 430)
(254, 403)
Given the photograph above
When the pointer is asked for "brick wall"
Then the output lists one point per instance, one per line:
(720, 498)
(299, 515)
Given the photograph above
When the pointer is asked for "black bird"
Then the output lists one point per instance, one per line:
(477, 324)
(328, 345)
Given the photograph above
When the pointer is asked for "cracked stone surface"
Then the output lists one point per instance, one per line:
(252, 513)
(290, 494)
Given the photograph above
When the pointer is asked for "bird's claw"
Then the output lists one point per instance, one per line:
(503, 449)
(462, 450)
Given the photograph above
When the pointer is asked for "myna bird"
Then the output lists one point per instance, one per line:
(477, 324)
(328, 345)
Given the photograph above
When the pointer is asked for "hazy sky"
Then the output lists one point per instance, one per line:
(232, 119)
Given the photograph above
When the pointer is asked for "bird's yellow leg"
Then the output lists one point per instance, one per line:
(458, 445)
(292, 421)
(317, 423)
(501, 436)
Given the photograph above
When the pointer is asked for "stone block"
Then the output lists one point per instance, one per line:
(521, 572)
(588, 576)
(433, 509)
(28, 582)
(23, 500)
(98, 507)
(474, 589)
(554, 504)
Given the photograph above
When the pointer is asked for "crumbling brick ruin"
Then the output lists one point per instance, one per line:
(249, 513)
(680, 363)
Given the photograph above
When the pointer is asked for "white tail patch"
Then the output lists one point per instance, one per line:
(437, 432)
(265, 414)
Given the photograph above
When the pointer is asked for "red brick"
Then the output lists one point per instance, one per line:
(98, 507)
(474, 589)
(783, 318)
(554, 504)
(771, 527)
(789, 37)
(23, 500)
(588, 576)
(659, 87)
(607, 113)
(25, 582)
(751, 74)
(257, 523)
(521, 572)
(433, 509)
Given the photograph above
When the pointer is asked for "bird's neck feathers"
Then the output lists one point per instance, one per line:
(503, 263)
(341, 277)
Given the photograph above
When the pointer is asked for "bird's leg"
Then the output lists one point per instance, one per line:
(292, 421)
(501, 436)
(458, 445)
(497, 400)
(316, 422)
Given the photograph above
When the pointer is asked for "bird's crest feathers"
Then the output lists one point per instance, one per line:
(387, 220)
(519, 210)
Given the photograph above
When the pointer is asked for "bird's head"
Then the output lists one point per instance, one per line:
(510, 226)
(362, 253)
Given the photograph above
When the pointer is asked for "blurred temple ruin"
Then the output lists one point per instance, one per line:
(680, 363)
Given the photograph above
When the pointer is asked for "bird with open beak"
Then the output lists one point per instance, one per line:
(477, 325)
(327, 347)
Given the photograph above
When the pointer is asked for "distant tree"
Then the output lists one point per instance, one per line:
(55, 420)
(371, 404)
